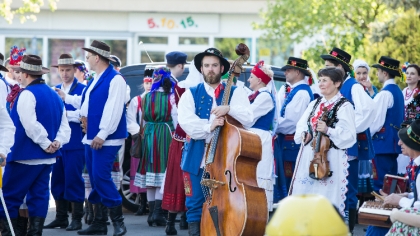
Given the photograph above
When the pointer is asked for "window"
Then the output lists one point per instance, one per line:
(273, 52)
(193, 41)
(118, 48)
(32, 45)
(56, 47)
(154, 55)
(154, 40)
(227, 46)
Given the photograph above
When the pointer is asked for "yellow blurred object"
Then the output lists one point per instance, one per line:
(306, 215)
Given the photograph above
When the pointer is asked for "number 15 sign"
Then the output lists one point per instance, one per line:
(203, 23)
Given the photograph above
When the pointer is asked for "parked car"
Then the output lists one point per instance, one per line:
(133, 75)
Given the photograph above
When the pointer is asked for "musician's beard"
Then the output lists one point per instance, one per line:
(212, 78)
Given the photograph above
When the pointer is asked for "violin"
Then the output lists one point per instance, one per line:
(319, 167)
(234, 204)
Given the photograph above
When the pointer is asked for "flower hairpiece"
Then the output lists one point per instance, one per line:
(16, 55)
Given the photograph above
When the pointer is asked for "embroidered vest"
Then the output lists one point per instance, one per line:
(194, 149)
(331, 117)
(97, 100)
(363, 149)
(76, 130)
(265, 122)
(49, 111)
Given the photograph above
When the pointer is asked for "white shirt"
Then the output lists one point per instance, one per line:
(10, 80)
(344, 133)
(113, 109)
(262, 105)
(35, 131)
(405, 91)
(198, 128)
(383, 101)
(408, 201)
(72, 116)
(364, 107)
(294, 110)
(7, 131)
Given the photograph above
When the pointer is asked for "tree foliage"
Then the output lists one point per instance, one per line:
(26, 11)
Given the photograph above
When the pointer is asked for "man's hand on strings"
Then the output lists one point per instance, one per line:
(220, 110)
(321, 126)
(219, 121)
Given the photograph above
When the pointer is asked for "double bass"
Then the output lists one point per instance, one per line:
(234, 204)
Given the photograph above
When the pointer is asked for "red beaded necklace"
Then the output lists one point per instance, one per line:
(409, 95)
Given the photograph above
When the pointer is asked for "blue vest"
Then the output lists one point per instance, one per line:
(194, 150)
(49, 110)
(76, 130)
(288, 143)
(363, 149)
(265, 122)
(292, 93)
(97, 99)
(386, 140)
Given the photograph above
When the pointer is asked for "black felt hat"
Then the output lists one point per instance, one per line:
(31, 64)
(298, 64)
(211, 52)
(389, 65)
(2, 68)
(410, 135)
(341, 57)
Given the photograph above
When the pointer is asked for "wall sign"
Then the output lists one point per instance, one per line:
(194, 23)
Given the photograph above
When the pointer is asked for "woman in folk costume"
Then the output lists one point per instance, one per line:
(82, 73)
(263, 105)
(16, 56)
(411, 105)
(134, 114)
(160, 116)
(341, 130)
(174, 192)
(361, 74)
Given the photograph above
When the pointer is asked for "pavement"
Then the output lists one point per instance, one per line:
(137, 225)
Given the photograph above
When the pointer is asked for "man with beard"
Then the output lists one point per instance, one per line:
(199, 113)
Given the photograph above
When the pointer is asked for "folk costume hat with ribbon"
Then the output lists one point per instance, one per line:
(65, 60)
(148, 74)
(2, 68)
(211, 52)
(101, 49)
(299, 64)
(389, 65)
(341, 57)
(410, 135)
(32, 65)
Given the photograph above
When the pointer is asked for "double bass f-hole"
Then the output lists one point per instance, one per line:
(230, 181)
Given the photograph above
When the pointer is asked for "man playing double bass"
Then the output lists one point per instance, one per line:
(199, 113)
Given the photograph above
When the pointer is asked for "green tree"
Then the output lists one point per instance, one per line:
(26, 11)
(343, 23)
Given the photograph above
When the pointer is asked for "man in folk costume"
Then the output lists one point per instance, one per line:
(67, 184)
(41, 130)
(102, 107)
(362, 151)
(173, 192)
(389, 103)
(293, 99)
(199, 113)
(4, 86)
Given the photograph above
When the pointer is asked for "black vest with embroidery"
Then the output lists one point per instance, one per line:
(332, 116)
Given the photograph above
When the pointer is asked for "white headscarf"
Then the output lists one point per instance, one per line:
(194, 77)
(361, 63)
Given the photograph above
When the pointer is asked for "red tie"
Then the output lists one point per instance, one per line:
(218, 90)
